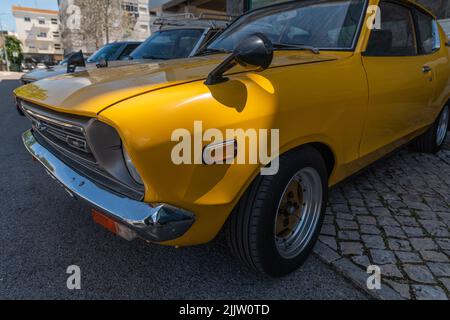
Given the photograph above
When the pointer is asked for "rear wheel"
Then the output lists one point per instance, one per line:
(433, 140)
(278, 220)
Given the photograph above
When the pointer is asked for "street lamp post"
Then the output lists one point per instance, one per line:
(4, 41)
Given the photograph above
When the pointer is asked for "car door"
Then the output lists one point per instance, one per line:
(400, 79)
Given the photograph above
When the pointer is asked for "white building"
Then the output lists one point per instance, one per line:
(39, 32)
(72, 12)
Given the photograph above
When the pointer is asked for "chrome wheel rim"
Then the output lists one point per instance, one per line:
(298, 213)
(442, 126)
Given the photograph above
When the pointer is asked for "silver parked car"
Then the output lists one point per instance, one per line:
(110, 52)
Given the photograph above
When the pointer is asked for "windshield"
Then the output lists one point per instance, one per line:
(169, 44)
(326, 25)
(106, 52)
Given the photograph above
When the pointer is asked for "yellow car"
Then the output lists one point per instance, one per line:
(175, 152)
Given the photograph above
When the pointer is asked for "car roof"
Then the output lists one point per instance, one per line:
(205, 28)
(125, 42)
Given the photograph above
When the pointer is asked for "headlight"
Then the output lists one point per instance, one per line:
(131, 168)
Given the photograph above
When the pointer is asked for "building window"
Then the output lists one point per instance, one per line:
(55, 34)
(131, 7)
(54, 21)
(57, 46)
(41, 21)
(31, 46)
(144, 27)
(27, 19)
(42, 35)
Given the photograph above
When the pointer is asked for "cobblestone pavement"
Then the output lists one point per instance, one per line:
(395, 215)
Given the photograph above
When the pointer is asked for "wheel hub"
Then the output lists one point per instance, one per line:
(298, 212)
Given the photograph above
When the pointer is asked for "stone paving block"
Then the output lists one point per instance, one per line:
(434, 256)
(355, 202)
(328, 220)
(440, 269)
(444, 243)
(369, 229)
(408, 257)
(399, 245)
(391, 271)
(359, 210)
(394, 232)
(413, 231)
(401, 288)
(381, 212)
(446, 283)
(387, 221)
(423, 244)
(382, 256)
(366, 220)
(435, 228)
(373, 241)
(436, 204)
(340, 207)
(351, 248)
(419, 273)
(329, 241)
(426, 215)
(407, 221)
(328, 229)
(429, 293)
(326, 253)
(362, 261)
(344, 216)
(349, 235)
(346, 225)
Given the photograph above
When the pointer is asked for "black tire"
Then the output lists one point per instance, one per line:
(428, 142)
(250, 228)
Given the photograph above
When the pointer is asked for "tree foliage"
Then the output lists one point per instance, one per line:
(14, 50)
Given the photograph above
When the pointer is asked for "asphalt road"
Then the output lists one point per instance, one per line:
(43, 231)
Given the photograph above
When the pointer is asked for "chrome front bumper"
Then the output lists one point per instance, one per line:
(156, 224)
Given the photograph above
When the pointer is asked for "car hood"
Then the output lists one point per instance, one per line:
(38, 74)
(91, 91)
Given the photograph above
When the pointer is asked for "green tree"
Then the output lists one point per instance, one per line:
(14, 52)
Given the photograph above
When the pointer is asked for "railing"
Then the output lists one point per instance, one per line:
(182, 19)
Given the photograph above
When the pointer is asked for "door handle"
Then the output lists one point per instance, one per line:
(426, 69)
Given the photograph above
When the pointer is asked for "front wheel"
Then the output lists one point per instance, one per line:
(278, 220)
(433, 140)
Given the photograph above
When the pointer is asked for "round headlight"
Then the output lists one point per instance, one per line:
(131, 168)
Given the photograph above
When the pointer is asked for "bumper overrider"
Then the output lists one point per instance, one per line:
(158, 223)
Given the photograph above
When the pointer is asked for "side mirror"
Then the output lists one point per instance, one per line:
(103, 63)
(74, 61)
(255, 52)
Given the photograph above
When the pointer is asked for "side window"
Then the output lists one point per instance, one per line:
(128, 50)
(428, 33)
(395, 36)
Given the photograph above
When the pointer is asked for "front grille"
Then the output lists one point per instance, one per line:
(66, 136)
(70, 137)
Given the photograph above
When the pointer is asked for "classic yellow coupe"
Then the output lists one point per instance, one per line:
(175, 152)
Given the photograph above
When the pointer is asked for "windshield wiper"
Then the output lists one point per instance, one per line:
(207, 51)
(295, 47)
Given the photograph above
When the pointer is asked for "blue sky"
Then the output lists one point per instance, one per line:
(6, 16)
